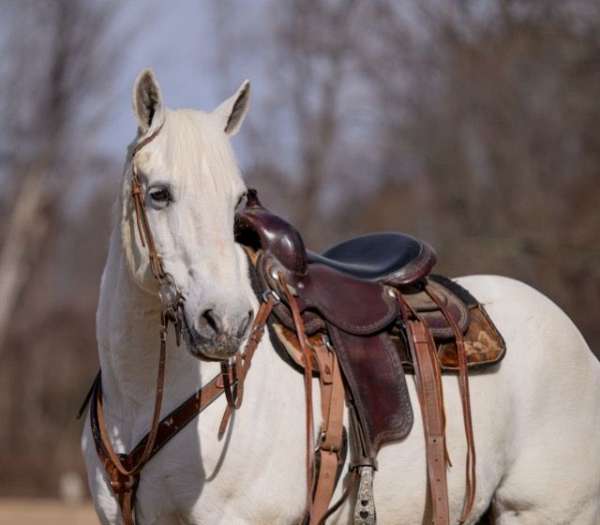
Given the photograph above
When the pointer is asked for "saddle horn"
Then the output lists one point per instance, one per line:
(257, 227)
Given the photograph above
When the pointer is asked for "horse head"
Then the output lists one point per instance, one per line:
(189, 188)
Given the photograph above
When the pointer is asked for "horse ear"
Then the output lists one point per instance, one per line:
(147, 101)
(232, 112)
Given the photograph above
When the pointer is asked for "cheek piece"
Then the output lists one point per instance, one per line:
(170, 296)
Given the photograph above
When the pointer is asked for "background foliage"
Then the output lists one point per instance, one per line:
(470, 124)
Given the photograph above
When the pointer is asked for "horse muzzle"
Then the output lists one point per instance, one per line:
(212, 337)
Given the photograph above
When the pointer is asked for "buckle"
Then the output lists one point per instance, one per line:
(321, 446)
(270, 293)
(170, 297)
(327, 342)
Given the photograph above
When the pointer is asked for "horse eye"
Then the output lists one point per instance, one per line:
(160, 195)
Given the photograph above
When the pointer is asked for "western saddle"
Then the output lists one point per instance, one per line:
(359, 316)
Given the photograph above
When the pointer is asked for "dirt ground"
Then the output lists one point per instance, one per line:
(46, 512)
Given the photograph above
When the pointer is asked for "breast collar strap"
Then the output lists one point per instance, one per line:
(124, 470)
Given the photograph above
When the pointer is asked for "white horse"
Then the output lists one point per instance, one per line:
(536, 417)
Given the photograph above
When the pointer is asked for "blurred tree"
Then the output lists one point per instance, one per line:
(57, 70)
(469, 124)
(495, 108)
(54, 85)
(312, 108)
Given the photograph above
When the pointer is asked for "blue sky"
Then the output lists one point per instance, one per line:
(179, 42)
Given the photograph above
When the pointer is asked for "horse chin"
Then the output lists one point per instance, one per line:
(219, 349)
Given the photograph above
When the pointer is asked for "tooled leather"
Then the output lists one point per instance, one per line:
(357, 307)
(430, 314)
(265, 281)
(373, 370)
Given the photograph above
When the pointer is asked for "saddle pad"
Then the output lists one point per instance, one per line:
(484, 345)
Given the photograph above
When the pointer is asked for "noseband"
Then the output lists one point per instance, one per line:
(124, 470)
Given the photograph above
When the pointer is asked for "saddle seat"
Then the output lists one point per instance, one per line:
(390, 258)
(393, 259)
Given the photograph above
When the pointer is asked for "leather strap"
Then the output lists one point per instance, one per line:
(332, 432)
(124, 484)
(143, 226)
(429, 389)
(465, 399)
(307, 365)
(124, 469)
(245, 359)
(320, 485)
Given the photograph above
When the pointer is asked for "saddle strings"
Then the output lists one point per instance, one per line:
(465, 399)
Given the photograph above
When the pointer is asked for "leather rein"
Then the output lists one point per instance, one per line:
(124, 470)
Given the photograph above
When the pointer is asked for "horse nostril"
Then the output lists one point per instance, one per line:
(245, 325)
(210, 324)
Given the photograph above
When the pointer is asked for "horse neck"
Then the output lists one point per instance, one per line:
(128, 330)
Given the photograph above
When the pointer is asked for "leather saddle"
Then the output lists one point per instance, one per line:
(349, 293)
(356, 296)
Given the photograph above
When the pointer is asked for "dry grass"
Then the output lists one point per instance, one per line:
(46, 512)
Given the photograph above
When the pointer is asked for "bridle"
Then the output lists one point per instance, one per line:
(170, 297)
(124, 469)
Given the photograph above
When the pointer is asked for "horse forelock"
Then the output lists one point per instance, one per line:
(198, 153)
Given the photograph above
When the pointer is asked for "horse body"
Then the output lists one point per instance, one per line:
(535, 418)
(535, 415)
